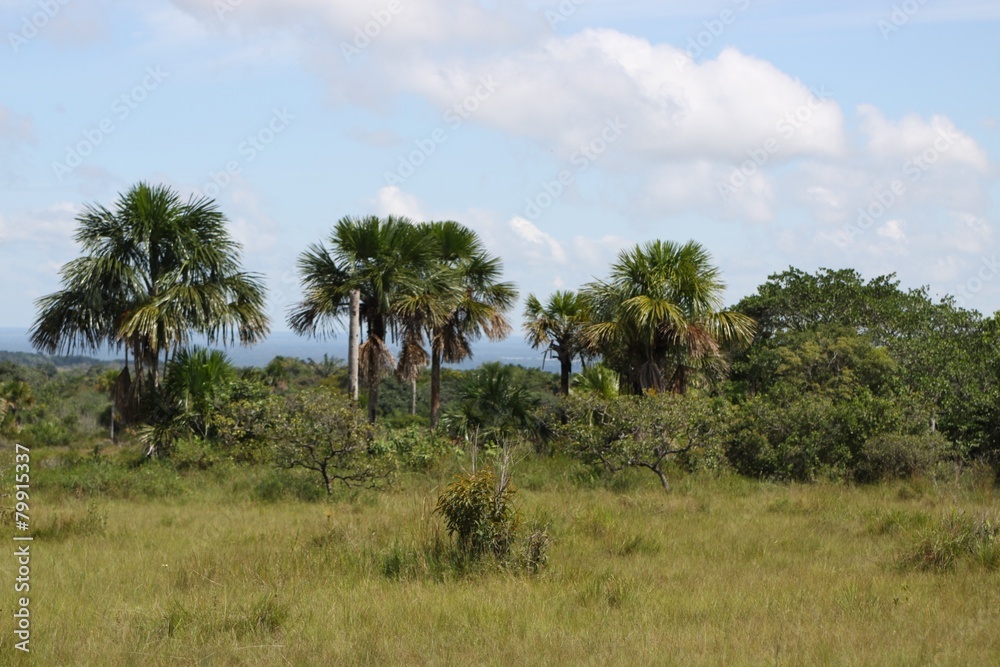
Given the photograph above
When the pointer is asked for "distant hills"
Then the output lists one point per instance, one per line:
(14, 341)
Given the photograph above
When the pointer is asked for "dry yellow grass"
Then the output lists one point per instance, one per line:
(723, 571)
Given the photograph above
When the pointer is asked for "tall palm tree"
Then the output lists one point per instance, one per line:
(463, 299)
(381, 259)
(658, 318)
(155, 271)
(558, 325)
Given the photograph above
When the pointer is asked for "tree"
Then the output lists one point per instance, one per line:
(657, 319)
(598, 379)
(381, 259)
(642, 432)
(558, 325)
(197, 382)
(316, 431)
(481, 303)
(154, 272)
(492, 407)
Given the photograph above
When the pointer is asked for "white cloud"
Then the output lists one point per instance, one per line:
(390, 200)
(537, 245)
(564, 90)
(893, 231)
(913, 138)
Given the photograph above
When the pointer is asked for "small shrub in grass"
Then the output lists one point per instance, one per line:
(478, 509)
(326, 434)
(480, 517)
(958, 537)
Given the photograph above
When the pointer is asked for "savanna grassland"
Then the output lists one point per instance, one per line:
(231, 566)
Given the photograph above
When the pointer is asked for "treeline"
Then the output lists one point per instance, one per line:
(824, 374)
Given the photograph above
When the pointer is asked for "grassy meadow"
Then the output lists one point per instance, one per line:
(231, 566)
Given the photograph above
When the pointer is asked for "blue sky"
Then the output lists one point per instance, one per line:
(776, 133)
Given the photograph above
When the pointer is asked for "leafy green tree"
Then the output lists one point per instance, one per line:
(642, 432)
(327, 434)
(943, 354)
(558, 325)
(658, 319)
(154, 272)
(383, 259)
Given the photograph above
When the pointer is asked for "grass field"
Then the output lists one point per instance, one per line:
(199, 570)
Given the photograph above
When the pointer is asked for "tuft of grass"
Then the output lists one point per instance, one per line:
(957, 538)
(62, 526)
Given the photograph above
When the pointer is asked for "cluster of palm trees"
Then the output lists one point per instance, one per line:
(156, 271)
(656, 322)
(430, 287)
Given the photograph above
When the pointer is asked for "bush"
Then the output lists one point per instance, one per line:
(897, 456)
(193, 453)
(416, 448)
(479, 512)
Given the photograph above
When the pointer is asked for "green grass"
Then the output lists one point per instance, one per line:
(220, 568)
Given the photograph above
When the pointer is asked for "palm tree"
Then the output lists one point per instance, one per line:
(197, 381)
(154, 272)
(379, 258)
(658, 319)
(558, 325)
(599, 380)
(493, 407)
(461, 300)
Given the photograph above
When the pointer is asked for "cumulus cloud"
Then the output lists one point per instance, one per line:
(913, 138)
(390, 200)
(564, 91)
(538, 246)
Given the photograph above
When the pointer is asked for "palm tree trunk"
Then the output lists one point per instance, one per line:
(352, 346)
(413, 405)
(435, 386)
(566, 366)
(373, 401)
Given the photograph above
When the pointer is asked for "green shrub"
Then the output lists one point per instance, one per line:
(416, 448)
(479, 513)
(899, 456)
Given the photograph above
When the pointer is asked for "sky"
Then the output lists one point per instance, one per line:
(856, 134)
